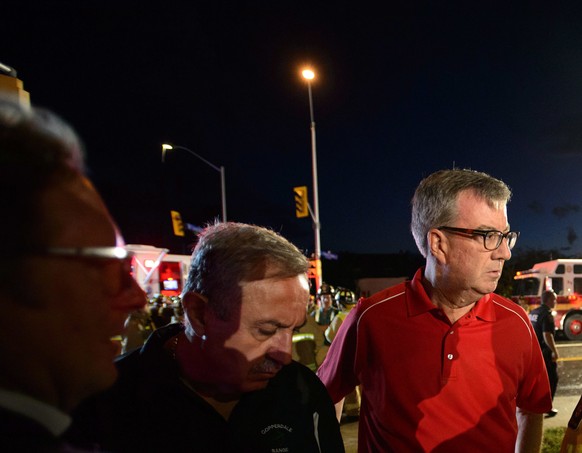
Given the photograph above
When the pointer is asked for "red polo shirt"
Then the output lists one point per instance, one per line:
(428, 385)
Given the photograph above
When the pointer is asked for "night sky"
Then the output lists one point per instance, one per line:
(401, 92)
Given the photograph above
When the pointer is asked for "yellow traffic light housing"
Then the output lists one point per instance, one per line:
(177, 223)
(13, 89)
(301, 203)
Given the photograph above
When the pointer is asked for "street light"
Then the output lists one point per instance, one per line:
(166, 147)
(309, 75)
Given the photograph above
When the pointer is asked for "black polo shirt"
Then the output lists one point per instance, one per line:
(151, 409)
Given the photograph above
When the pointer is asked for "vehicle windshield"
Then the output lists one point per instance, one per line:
(526, 287)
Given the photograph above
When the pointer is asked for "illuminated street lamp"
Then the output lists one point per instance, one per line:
(309, 75)
(166, 147)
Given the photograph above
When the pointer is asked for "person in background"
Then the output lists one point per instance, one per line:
(64, 281)
(325, 311)
(309, 347)
(545, 329)
(224, 380)
(443, 362)
(138, 327)
(345, 300)
(572, 441)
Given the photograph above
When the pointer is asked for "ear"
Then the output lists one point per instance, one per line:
(195, 308)
(438, 244)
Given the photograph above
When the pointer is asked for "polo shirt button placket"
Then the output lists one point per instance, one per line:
(450, 346)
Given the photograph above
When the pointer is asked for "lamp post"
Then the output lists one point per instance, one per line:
(166, 147)
(309, 75)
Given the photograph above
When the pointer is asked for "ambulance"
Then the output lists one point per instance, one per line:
(564, 276)
(157, 271)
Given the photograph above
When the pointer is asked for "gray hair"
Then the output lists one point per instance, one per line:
(38, 150)
(435, 201)
(230, 253)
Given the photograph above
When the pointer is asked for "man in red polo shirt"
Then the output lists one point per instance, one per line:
(445, 365)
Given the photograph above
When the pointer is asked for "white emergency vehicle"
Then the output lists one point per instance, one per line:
(157, 271)
(564, 276)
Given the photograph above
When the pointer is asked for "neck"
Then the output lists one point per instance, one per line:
(455, 313)
(224, 408)
(188, 357)
(454, 305)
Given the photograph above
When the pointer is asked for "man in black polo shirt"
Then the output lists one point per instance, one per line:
(224, 380)
(543, 324)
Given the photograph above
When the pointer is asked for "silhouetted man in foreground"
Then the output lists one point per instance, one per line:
(65, 283)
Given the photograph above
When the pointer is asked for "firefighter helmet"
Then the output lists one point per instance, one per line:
(324, 289)
(344, 298)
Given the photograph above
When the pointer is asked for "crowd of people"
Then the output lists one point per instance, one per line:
(159, 311)
(439, 363)
(311, 342)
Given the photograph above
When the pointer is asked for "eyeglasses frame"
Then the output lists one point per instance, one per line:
(115, 253)
(119, 254)
(483, 233)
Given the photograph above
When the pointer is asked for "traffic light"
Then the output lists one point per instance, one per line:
(314, 273)
(301, 203)
(177, 223)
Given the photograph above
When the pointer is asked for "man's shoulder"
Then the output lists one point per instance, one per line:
(295, 380)
(150, 358)
(393, 293)
(129, 362)
(509, 311)
(507, 304)
(537, 315)
(295, 372)
(140, 372)
(144, 389)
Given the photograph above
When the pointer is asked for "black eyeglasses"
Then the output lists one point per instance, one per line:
(491, 238)
(117, 278)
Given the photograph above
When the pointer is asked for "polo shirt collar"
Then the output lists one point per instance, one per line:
(484, 308)
(417, 300)
(51, 418)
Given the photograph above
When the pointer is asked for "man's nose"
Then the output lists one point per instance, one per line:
(503, 251)
(130, 298)
(282, 346)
